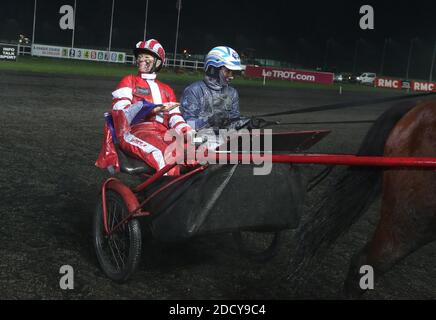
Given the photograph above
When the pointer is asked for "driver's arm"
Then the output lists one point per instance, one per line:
(176, 120)
(236, 120)
(121, 102)
(234, 114)
(191, 106)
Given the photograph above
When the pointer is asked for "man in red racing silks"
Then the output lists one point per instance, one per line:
(140, 127)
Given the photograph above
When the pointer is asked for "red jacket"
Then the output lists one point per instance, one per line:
(132, 89)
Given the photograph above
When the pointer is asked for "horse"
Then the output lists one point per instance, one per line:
(408, 203)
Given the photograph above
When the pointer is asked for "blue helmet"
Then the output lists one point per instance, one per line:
(223, 56)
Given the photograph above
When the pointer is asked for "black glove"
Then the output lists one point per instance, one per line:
(219, 120)
(256, 123)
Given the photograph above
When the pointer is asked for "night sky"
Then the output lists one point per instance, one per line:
(298, 32)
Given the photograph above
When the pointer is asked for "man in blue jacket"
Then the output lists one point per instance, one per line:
(212, 102)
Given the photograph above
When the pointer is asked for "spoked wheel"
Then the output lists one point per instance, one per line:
(118, 253)
(258, 246)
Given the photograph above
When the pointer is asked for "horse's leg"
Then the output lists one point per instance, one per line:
(407, 222)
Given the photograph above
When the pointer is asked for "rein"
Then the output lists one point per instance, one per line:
(278, 123)
(343, 105)
(315, 181)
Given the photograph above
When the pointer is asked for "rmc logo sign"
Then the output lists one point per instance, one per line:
(424, 86)
(388, 83)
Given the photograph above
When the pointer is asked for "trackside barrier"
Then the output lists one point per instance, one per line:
(53, 51)
(254, 71)
(414, 85)
(178, 63)
(383, 82)
(8, 52)
(289, 74)
(77, 53)
(423, 86)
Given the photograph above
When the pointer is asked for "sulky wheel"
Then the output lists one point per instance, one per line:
(118, 253)
(258, 246)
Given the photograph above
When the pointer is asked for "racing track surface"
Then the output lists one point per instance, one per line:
(50, 136)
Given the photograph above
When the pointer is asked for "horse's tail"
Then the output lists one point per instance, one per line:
(348, 198)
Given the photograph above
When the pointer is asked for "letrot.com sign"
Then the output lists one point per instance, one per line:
(8, 53)
(78, 53)
(289, 74)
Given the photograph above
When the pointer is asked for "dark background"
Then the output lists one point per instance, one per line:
(296, 32)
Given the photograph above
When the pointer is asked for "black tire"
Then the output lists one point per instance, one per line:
(258, 246)
(118, 254)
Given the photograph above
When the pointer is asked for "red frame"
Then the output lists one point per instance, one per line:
(342, 159)
(131, 201)
(135, 208)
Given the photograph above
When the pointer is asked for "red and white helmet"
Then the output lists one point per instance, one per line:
(151, 46)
